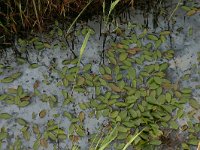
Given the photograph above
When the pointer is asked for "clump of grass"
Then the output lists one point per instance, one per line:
(111, 136)
(18, 16)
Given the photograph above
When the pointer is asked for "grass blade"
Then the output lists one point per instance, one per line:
(84, 45)
(113, 5)
(175, 9)
(132, 139)
(81, 53)
(91, 146)
(36, 14)
(78, 16)
(109, 138)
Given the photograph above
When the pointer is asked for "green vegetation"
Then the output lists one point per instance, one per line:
(132, 90)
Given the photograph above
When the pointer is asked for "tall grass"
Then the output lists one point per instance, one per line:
(132, 139)
(112, 7)
(176, 8)
(110, 137)
(75, 20)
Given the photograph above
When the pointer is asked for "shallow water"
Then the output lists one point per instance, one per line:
(185, 45)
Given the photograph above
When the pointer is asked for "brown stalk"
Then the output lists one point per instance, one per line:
(36, 14)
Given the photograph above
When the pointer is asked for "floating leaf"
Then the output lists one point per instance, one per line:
(133, 113)
(62, 136)
(165, 32)
(115, 88)
(194, 103)
(158, 44)
(60, 32)
(3, 135)
(52, 136)
(191, 12)
(112, 60)
(3, 97)
(42, 113)
(81, 116)
(5, 116)
(168, 97)
(186, 90)
(173, 125)
(186, 8)
(44, 143)
(80, 131)
(34, 65)
(152, 37)
(21, 121)
(153, 86)
(107, 70)
(155, 142)
(107, 77)
(123, 56)
(193, 141)
(87, 67)
(80, 80)
(7, 80)
(26, 135)
(23, 103)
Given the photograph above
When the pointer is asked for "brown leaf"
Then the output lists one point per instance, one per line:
(36, 84)
(25, 98)
(115, 88)
(74, 138)
(120, 45)
(14, 27)
(134, 50)
(44, 143)
(191, 12)
(43, 113)
(81, 116)
(36, 129)
(107, 77)
(167, 86)
(80, 81)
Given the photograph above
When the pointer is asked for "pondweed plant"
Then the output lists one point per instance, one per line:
(132, 91)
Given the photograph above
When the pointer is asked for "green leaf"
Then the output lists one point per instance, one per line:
(6, 80)
(155, 142)
(158, 80)
(60, 32)
(123, 56)
(152, 37)
(158, 43)
(87, 67)
(68, 115)
(107, 70)
(186, 90)
(194, 103)
(168, 97)
(3, 97)
(3, 135)
(21, 121)
(174, 125)
(34, 65)
(5, 116)
(80, 131)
